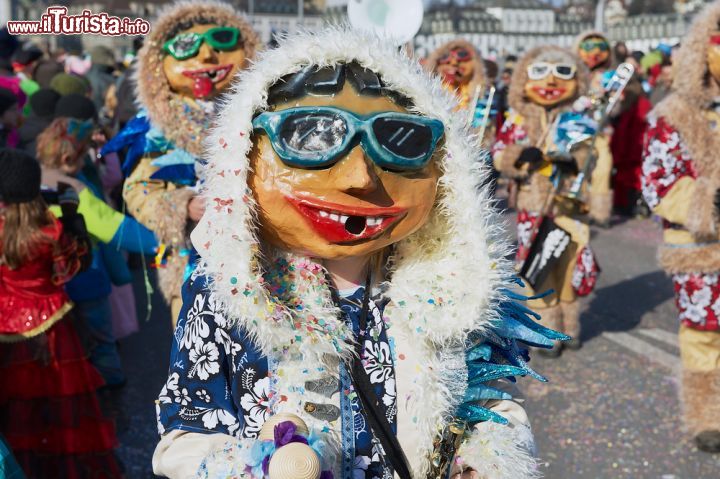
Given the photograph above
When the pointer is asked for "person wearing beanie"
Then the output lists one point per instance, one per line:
(75, 106)
(39, 255)
(8, 43)
(45, 70)
(62, 150)
(101, 75)
(42, 109)
(67, 83)
(9, 118)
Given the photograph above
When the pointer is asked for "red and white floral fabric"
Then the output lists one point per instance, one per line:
(697, 297)
(526, 224)
(511, 132)
(666, 160)
(586, 272)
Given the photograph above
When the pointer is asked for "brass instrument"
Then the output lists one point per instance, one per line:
(620, 79)
(445, 447)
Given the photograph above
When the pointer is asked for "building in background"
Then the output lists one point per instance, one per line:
(499, 27)
(495, 27)
(277, 17)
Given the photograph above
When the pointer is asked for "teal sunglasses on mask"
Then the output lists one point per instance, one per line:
(318, 137)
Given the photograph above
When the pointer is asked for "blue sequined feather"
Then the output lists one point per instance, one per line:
(502, 352)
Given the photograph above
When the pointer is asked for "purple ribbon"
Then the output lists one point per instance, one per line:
(285, 434)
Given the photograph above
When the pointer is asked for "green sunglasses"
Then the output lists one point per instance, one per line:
(319, 136)
(187, 45)
(590, 45)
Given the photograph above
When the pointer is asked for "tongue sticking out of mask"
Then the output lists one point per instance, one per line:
(202, 87)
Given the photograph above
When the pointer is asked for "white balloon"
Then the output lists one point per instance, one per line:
(397, 20)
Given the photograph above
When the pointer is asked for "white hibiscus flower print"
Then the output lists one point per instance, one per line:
(160, 427)
(222, 337)
(171, 386)
(657, 151)
(196, 329)
(204, 359)
(694, 307)
(182, 397)
(255, 403)
(214, 307)
(203, 395)
(389, 399)
(523, 232)
(378, 361)
(212, 417)
(173, 393)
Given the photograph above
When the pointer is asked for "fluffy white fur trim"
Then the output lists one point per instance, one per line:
(446, 278)
(446, 275)
(500, 452)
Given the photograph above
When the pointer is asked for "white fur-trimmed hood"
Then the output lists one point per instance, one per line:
(446, 276)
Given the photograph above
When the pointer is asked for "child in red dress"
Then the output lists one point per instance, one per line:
(49, 412)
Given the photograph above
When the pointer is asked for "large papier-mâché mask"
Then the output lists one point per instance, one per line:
(713, 56)
(200, 62)
(550, 84)
(594, 51)
(349, 205)
(456, 67)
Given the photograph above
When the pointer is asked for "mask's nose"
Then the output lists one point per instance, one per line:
(354, 174)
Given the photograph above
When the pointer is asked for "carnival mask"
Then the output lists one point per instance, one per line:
(594, 51)
(551, 84)
(343, 175)
(713, 56)
(456, 67)
(201, 61)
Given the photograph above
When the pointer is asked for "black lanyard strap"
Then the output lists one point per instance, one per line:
(379, 424)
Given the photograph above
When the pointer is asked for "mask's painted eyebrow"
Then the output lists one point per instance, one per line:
(330, 80)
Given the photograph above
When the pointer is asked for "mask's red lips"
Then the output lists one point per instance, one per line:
(205, 79)
(214, 74)
(549, 93)
(343, 223)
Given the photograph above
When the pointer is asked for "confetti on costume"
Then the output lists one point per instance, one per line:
(261, 331)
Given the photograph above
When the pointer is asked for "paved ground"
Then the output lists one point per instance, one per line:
(610, 410)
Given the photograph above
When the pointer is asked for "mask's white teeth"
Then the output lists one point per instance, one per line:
(374, 221)
(334, 217)
(343, 219)
(324, 214)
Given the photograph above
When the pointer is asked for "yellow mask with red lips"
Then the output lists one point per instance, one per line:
(594, 51)
(456, 67)
(351, 208)
(555, 87)
(206, 74)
